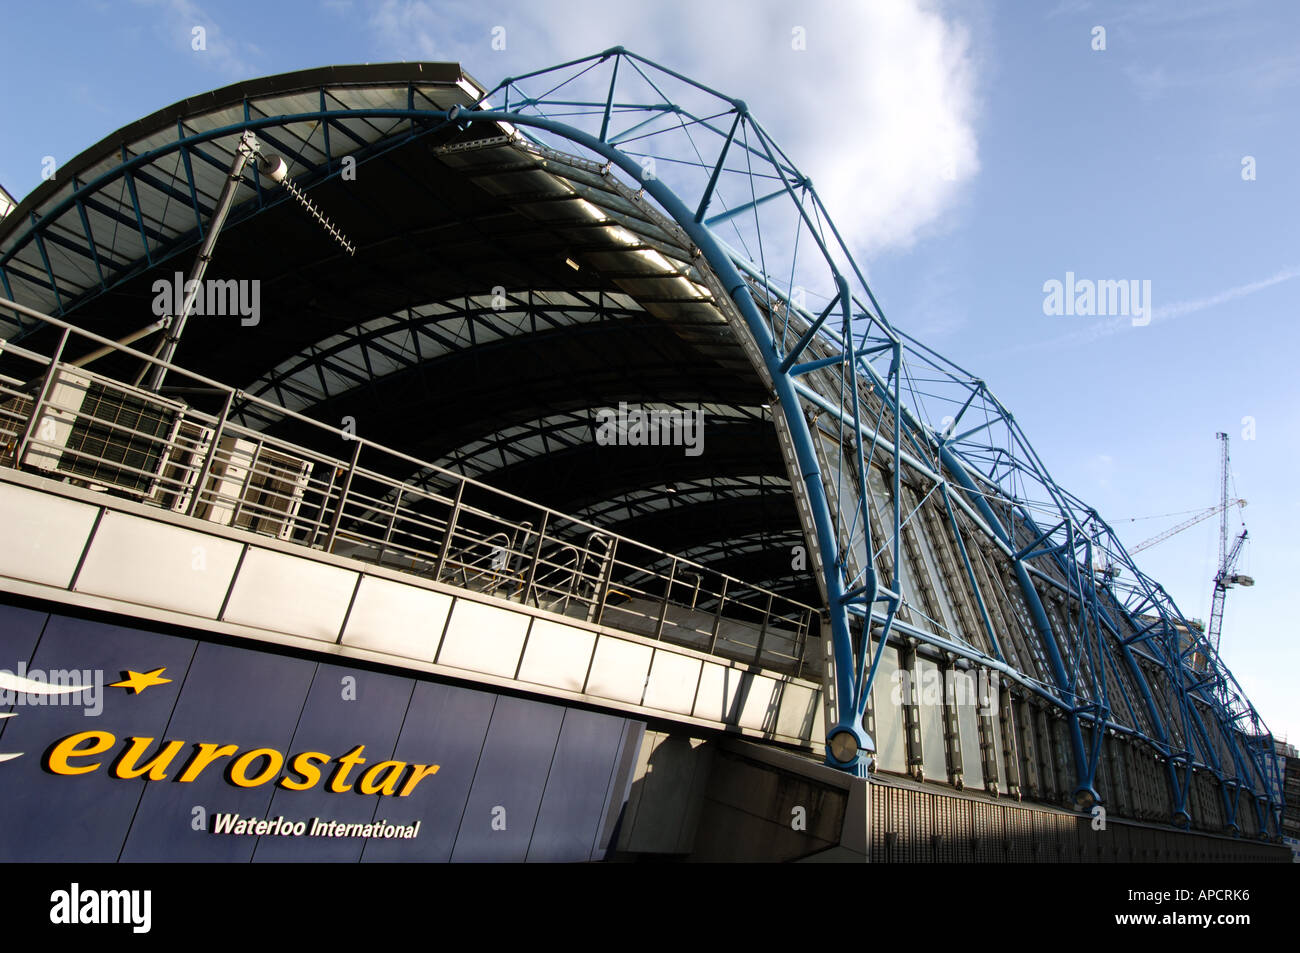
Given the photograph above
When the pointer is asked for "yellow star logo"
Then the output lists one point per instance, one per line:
(137, 682)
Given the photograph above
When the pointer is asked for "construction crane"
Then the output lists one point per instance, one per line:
(1225, 578)
(1174, 530)
(1110, 572)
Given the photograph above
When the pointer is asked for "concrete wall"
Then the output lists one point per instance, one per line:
(695, 799)
(699, 800)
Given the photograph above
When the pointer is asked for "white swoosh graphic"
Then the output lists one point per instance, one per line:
(25, 686)
(16, 754)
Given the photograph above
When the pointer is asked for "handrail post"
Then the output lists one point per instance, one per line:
(717, 616)
(392, 519)
(324, 503)
(449, 532)
(208, 457)
(574, 570)
(247, 484)
(804, 628)
(608, 573)
(537, 556)
(33, 421)
(663, 610)
(343, 498)
(762, 634)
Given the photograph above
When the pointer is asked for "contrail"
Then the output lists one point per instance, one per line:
(1175, 310)
(1180, 308)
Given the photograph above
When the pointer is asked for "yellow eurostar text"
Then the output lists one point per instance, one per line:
(247, 769)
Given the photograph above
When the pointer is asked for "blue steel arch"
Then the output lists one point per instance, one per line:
(972, 466)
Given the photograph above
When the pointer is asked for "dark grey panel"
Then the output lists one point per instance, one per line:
(20, 629)
(84, 817)
(620, 789)
(511, 776)
(577, 788)
(231, 696)
(335, 724)
(447, 725)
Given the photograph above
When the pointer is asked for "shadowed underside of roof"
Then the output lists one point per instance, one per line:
(498, 300)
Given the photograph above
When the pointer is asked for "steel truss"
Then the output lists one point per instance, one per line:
(853, 393)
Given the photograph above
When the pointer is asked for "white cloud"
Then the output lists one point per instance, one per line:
(1101, 469)
(879, 110)
(1068, 8)
(224, 53)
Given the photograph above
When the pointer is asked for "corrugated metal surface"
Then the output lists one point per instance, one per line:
(922, 826)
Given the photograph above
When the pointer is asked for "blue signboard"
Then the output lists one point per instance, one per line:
(125, 743)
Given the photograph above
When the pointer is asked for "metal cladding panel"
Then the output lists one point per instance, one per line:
(329, 725)
(886, 819)
(1100, 847)
(509, 783)
(155, 564)
(917, 826)
(1020, 834)
(990, 838)
(999, 756)
(719, 686)
(946, 829)
(1122, 844)
(558, 774)
(229, 694)
(49, 817)
(891, 742)
(929, 679)
(799, 708)
(452, 722)
(322, 594)
(483, 638)
(965, 828)
(762, 701)
(568, 823)
(971, 761)
(619, 670)
(557, 655)
(672, 682)
(19, 631)
(44, 535)
(389, 617)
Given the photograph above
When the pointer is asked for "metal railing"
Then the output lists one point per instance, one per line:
(71, 423)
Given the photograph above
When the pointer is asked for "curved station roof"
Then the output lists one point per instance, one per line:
(499, 296)
(477, 279)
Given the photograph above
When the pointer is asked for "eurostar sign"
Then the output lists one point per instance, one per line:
(75, 753)
(246, 769)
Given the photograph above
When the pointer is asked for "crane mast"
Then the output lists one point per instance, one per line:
(1223, 499)
(1225, 578)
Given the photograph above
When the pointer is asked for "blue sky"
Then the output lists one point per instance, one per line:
(1122, 163)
